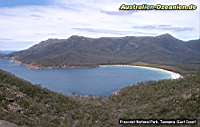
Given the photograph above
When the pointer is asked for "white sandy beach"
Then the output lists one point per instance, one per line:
(174, 75)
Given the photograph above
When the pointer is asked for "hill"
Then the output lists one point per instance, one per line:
(1, 54)
(83, 51)
(27, 105)
(4, 54)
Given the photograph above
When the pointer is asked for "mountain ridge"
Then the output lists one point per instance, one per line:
(84, 51)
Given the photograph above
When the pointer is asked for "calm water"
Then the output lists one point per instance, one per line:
(102, 81)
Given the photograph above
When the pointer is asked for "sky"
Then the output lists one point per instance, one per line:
(24, 23)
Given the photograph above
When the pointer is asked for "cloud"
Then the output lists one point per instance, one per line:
(5, 39)
(164, 28)
(35, 16)
(24, 24)
(112, 31)
(15, 45)
(104, 31)
(118, 13)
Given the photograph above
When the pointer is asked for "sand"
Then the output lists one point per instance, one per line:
(174, 75)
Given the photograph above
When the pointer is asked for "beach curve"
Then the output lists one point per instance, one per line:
(174, 75)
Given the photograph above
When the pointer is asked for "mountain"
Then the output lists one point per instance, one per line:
(83, 51)
(4, 54)
(27, 105)
(1, 55)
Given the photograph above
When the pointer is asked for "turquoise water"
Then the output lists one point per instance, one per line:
(101, 81)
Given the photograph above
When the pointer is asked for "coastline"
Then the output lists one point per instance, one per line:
(174, 75)
(39, 67)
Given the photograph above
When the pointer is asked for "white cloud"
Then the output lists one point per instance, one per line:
(27, 25)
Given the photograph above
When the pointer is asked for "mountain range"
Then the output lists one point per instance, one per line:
(83, 51)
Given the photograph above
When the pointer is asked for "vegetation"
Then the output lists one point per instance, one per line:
(83, 51)
(28, 105)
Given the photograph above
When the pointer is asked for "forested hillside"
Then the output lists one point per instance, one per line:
(27, 105)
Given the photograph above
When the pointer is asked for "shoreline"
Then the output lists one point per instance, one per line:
(174, 75)
(40, 67)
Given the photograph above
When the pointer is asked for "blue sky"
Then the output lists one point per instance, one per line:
(14, 3)
(24, 23)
